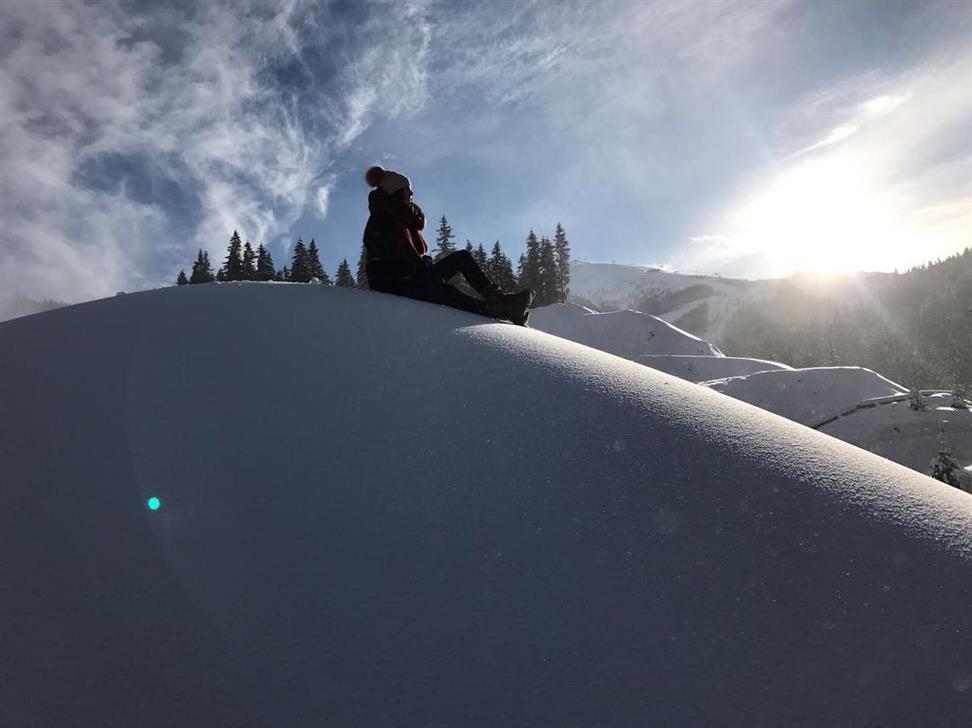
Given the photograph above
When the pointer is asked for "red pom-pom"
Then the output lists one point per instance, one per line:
(373, 176)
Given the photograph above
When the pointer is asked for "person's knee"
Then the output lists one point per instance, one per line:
(463, 255)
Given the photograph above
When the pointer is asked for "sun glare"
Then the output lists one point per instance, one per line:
(824, 216)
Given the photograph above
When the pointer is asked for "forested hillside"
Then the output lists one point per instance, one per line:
(914, 327)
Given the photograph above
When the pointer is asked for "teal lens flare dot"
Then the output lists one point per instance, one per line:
(153, 503)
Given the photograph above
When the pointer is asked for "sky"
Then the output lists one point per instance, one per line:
(742, 139)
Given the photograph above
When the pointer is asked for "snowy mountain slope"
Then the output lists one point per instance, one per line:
(379, 512)
(627, 334)
(700, 304)
(18, 305)
(807, 395)
(702, 368)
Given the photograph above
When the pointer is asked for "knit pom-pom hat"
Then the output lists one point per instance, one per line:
(373, 175)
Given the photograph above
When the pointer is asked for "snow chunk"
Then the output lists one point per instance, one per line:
(704, 368)
(807, 395)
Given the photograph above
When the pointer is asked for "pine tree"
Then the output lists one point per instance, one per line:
(314, 266)
(501, 268)
(248, 268)
(562, 255)
(202, 271)
(284, 274)
(479, 255)
(529, 272)
(546, 274)
(944, 467)
(361, 280)
(344, 279)
(443, 239)
(182, 280)
(233, 266)
(265, 270)
(299, 270)
(207, 268)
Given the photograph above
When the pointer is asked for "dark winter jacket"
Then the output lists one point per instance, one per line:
(393, 233)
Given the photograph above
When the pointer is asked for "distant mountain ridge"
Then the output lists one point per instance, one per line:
(702, 305)
(912, 326)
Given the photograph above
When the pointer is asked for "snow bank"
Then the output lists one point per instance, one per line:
(628, 334)
(379, 512)
(703, 368)
(907, 436)
(807, 395)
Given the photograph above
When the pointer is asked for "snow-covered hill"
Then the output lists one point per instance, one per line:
(700, 304)
(374, 511)
(628, 334)
(807, 395)
(815, 396)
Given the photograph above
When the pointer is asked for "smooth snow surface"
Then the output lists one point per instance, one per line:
(628, 334)
(379, 512)
(807, 395)
(703, 368)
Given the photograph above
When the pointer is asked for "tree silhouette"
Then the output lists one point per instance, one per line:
(232, 269)
(299, 269)
(264, 264)
(562, 257)
(248, 268)
(314, 267)
(202, 271)
(343, 278)
(443, 239)
(361, 279)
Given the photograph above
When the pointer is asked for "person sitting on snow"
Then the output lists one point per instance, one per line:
(398, 260)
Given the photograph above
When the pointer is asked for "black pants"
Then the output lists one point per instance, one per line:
(429, 283)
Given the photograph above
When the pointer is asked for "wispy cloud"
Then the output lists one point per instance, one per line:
(133, 132)
(865, 113)
(106, 111)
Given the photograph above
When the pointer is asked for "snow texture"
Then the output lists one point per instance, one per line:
(376, 511)
(627, 334)
(703, 368)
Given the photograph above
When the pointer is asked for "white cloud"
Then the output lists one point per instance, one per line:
(884, 104)
(89, 80)
(323, 196)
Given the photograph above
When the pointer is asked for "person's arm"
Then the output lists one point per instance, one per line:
(414, 217)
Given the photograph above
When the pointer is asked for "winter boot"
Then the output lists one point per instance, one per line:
(514, 307)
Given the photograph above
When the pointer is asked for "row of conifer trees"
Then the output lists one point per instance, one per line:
(242, 263)
(543, 267)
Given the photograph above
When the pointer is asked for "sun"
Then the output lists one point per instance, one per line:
(823, 216)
